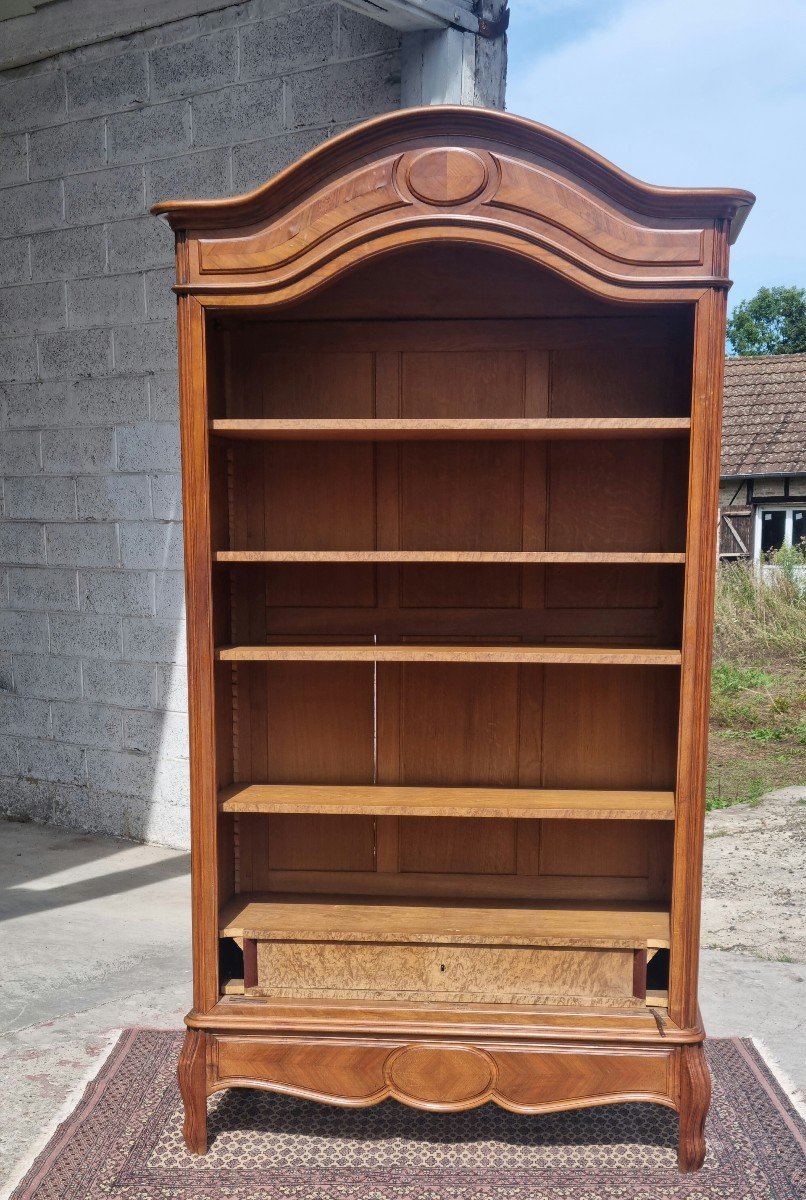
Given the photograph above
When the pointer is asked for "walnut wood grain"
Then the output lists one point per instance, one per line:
(366, 714)
(192, 1076)
(694, 1101)
(445, 1077)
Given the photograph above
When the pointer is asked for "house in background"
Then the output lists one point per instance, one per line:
(762, 495)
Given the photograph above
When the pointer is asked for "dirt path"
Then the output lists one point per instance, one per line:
(754, 897)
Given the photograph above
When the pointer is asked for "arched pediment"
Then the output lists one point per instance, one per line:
(458, 174)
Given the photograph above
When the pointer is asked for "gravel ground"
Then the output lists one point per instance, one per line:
(754, 898)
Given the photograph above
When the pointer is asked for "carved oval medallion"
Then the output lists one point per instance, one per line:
(447, 176)
(440, 1075)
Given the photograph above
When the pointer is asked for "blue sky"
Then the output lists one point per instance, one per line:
(681, 92)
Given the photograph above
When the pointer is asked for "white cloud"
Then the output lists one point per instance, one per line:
(691, 92)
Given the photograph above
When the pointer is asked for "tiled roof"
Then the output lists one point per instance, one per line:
(764, 424)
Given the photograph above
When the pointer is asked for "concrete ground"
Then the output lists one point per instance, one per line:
(96, 936)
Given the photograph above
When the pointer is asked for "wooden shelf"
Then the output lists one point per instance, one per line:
(557, 557)
(382, 429)
(386, 919)
(605, 655)
(541, 803)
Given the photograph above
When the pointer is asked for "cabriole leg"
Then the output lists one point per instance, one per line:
(192, 1074)
(695, 1097)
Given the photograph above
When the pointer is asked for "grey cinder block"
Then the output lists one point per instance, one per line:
(47, 588)
(104, 195)
(166, 492)
(163, 391)
(150, 347)
(86, 635)
(68, 253)
(32, 206)
(18, 358)
(20, 452)
(21, 543)
(88, 724)
(172, 687)
(170, 593)
(288, 43)
(32, 100)
(160, 300)
(110, 300)
(22, 632)
(15, 260)
(107, 85)
(205, 175)
(164, 733)
(28, 800)
(256, 162)
(140, 243)
(130, 685)
(147, 640)
(202, 63)
(359, 35)
(157, 131)
(82, 545)
(47, 676)
(344, 91)
(23, 717)
(114, 498)
(69, 353)
(128, 593)
(50, 760)
(250, 110)
(66, 149)
(32, 306)
(39, 499)
(81, 450)
(173, 781)
(13, 159)
(8, 763)
(83, 401)
(117, 771)
(155, 545)
(152, 446)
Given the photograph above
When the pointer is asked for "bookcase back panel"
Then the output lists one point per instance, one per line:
(515, 726)
(636, 603)
(463, 857)
(577, 367)
(580, 495)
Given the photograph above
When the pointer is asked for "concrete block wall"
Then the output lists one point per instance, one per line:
(93, 726)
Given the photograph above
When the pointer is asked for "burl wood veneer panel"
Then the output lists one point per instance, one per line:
(465, 974)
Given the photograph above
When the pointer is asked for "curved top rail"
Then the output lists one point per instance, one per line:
(456, 125)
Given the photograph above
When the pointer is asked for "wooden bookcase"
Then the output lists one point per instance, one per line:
(450, 394)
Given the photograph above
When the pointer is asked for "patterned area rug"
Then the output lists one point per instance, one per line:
(124, 1142)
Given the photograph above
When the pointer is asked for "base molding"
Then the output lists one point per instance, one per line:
(444, 1076)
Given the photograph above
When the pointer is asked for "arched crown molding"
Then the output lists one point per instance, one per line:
(458, 174)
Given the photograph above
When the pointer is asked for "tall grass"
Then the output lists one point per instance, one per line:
(757, 621)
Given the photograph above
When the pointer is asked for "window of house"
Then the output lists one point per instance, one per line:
(777, 527)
